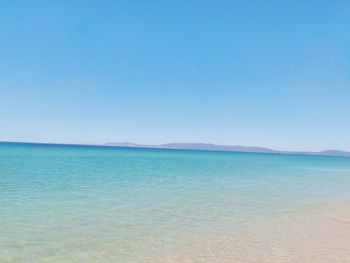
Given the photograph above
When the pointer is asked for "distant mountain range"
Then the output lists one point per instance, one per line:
(227, 148)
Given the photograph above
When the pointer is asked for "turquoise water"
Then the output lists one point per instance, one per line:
(62, 203)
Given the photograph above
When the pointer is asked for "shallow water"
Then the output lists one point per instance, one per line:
(63, 203)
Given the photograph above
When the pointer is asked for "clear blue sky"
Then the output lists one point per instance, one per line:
(264, 73)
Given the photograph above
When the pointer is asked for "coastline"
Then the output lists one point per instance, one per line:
(90, 204)
(187, 147)
(315, 234)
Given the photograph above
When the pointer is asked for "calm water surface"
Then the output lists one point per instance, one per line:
(101, 204)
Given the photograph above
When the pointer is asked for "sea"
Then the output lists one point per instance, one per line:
(73, 203)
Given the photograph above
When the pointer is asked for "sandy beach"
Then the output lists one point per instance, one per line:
(316, 234)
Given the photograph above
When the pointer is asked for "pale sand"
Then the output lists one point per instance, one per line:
(310, 234)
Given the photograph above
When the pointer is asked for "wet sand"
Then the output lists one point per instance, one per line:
(317, 234)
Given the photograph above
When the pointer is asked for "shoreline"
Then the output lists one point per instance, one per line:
(316, 234)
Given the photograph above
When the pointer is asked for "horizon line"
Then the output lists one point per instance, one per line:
(160, 146)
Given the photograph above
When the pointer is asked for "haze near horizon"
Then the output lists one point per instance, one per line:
(267, 74)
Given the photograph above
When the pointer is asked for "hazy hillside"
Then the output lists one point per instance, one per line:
(229, 148)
